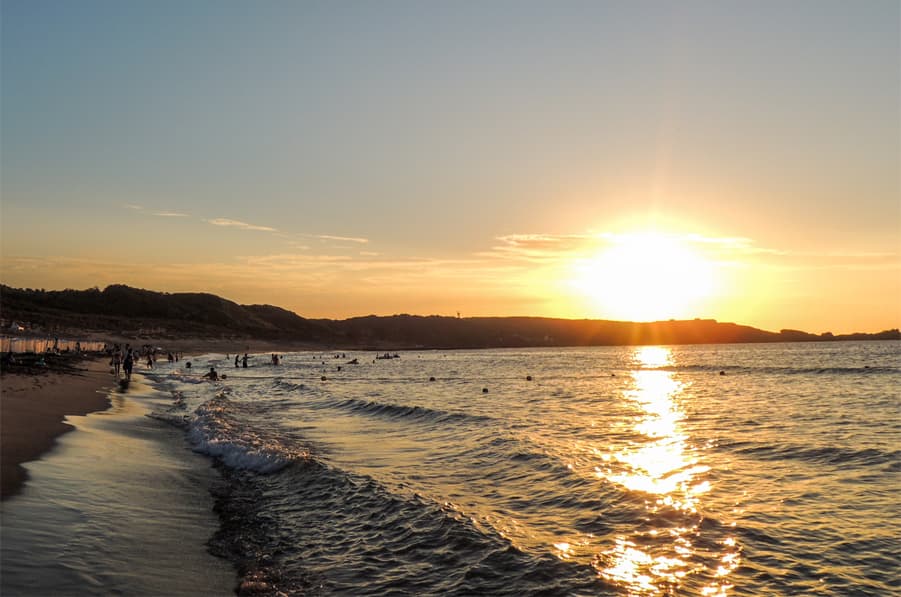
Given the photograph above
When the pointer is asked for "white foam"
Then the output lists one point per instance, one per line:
(215, 431)
(175, 420)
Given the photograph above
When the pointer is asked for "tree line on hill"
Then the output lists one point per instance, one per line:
(132, 312)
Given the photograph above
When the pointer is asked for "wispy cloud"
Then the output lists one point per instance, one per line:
(824, 260)
(238, 224)
(162, 214)
(290, 238)
(542, 248)
(542, 238)
(550, 249)
(350, 239)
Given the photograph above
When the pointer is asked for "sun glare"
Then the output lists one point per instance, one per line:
(645, 277)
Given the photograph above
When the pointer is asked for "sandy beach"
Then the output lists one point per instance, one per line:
(34, 402)
(120, 506)
(33, 406)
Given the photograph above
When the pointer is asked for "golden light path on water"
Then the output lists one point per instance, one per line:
(662, 464)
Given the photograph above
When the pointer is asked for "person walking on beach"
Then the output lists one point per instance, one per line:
(128, 364)
(117, 361)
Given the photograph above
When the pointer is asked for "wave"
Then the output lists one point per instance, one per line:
(820, 454)
(176, 420)
(172, 415)
(282, 384)
(396, 411)
(317, 529)
(216, 429)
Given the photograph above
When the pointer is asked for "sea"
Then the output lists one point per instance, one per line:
(746, 469)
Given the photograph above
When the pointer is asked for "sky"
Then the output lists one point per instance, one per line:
(614, 160)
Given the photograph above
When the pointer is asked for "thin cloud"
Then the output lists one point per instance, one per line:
(238, 224)
(162, 214)
(545, 248)
(839, 259)
(350, 239)
(545, 241)
(555, 244)
(542, 248)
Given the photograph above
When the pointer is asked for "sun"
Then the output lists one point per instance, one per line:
(645, 277)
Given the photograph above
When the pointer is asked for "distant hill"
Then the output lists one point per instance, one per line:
(128, 312)
(485, 332)
(133, 312)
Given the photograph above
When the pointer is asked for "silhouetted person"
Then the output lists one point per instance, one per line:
(128, 364)
(212, 375)
(244, 361)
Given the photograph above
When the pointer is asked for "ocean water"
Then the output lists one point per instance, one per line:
(693, 470)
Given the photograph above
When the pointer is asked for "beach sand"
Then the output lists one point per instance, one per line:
(122, 506)
(33, 406)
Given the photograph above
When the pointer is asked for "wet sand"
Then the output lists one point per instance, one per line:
(120, 507)
(33, 406)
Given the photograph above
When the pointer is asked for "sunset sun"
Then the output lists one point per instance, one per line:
(645, 277)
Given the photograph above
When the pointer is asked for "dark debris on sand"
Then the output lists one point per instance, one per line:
(30, 363)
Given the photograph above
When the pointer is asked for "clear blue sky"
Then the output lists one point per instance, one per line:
(436, 132)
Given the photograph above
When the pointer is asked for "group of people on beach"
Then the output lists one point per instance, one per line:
(123, 359)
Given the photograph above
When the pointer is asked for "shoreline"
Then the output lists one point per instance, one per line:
(122, 507)
(33, 409)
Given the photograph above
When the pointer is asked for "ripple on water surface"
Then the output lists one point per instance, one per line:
(633, 471)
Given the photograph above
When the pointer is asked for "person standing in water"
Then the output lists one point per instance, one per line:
(117, 360)
(128, 364)
(244, 361)
(236, 360)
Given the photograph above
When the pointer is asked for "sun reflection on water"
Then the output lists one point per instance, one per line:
(660, 461)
